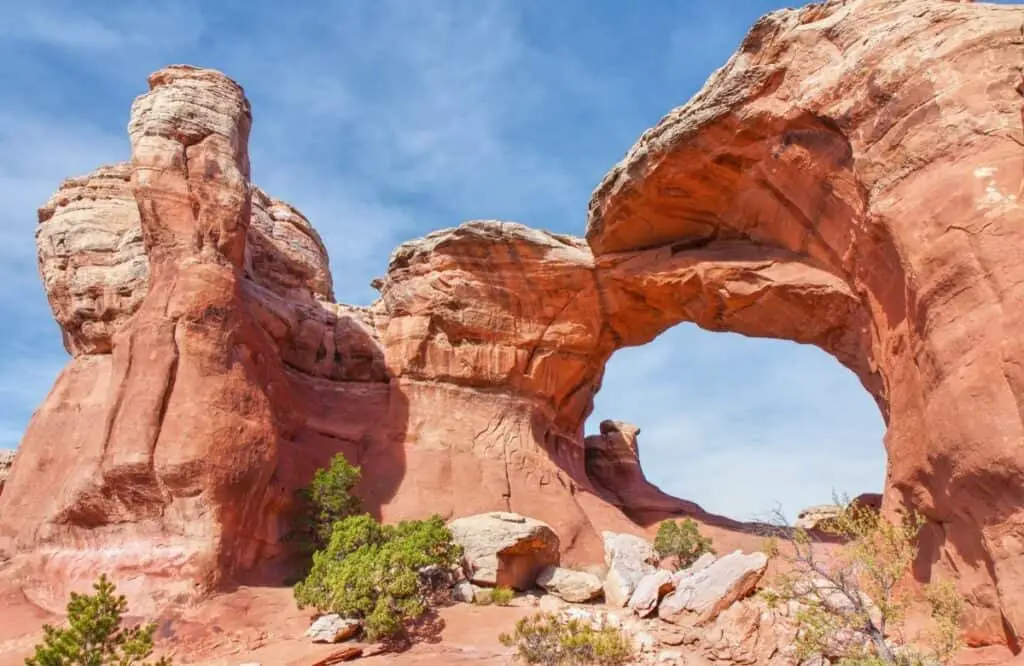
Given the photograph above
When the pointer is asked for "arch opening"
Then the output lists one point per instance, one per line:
(742, 425)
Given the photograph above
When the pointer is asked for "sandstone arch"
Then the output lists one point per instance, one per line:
(850, 179)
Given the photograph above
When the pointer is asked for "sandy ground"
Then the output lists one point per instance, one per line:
(263, 626)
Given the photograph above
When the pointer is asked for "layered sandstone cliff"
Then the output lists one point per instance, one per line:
(850, 179)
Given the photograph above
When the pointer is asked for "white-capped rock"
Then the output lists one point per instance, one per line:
(505, 549)
(333, 628)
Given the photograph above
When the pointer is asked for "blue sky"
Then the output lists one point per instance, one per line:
(382, 121)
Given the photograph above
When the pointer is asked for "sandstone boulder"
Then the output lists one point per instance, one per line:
(333, 628)
(700, 596)
(505, 549)
(463, 591)
(629, 559)
(745, 633)
(570, 585)
(649, 592)
(549, 603)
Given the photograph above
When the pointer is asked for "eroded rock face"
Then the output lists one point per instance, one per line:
(92, 258)
(850, 179)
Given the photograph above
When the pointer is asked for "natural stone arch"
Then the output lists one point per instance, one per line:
(849, 180)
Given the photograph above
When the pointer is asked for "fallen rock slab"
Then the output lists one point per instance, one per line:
(505, 549)
(570, 585)
(699, 597)
(649, 592)
(629, 559)
(701, 563)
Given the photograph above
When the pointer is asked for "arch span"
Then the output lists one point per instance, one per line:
(850, 180)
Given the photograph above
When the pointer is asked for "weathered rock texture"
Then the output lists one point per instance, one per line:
(851, 179)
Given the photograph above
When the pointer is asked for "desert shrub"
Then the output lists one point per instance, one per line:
(947, 606)
(548, 639)
(852, 601)
(326, 500)
(683, 540)
(94, 636)
(502, 596)
(370, 571)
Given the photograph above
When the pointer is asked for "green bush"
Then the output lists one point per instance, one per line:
(370, 571)
(683, 540)
(502, 596)
(551, 640)
(94, 636)
(326, 500)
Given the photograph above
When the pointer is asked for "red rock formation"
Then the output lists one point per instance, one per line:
(849, 179)
(613, 467)
(211, 374)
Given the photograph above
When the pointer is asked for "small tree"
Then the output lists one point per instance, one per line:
(551, 640)
(94, 636)
(326, 500)
(682, 540)
(850, 602)
(370, 571)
